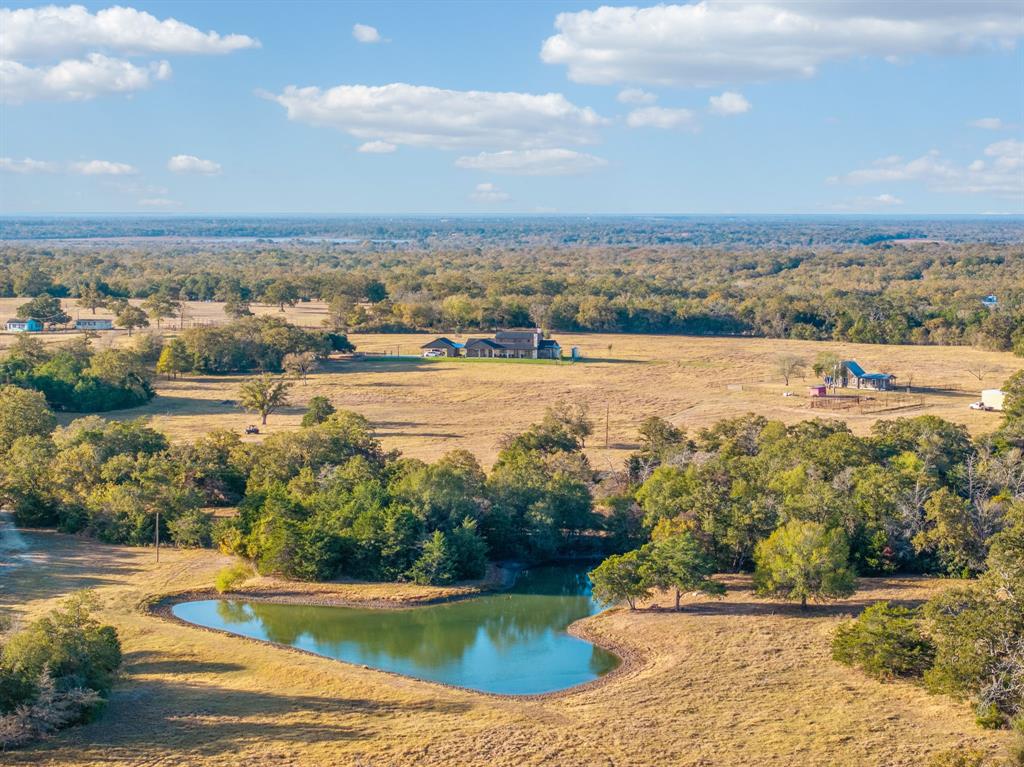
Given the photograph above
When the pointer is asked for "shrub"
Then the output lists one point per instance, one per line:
(959, 757)
(230, 577)
(979, 639)
(68, 643)
(50, 710)
(1017, 747)
(885, 642)
(192, 530)
(989, 716)
(55, 671)
(227, 535)
(318, 411)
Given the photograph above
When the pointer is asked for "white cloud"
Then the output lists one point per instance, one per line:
(188, 163)
(53, 31)
(158, 202)
(488, 192)
(102, 168)
(887, 199)
(366, 34)
(877, 202)
(532, 162)
(77, 79)
(27, 165)
(377, 147)
(417, 115)
(1001, 174)
(988, 123)
(715, 42)
(75, 55)
(636, 96)
(729, 103)
(661, 117)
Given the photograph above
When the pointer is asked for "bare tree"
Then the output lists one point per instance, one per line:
(979, 370)
(788, 365)
(299, 364)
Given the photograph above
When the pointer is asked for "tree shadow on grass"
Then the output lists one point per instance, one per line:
(144, 662)
(149, 720)
(882, 589)
(848, 607)
(68, 567)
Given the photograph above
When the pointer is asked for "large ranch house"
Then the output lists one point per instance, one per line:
(509, 344)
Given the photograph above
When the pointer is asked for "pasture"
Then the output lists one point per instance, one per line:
(728, 683)
(427, 407)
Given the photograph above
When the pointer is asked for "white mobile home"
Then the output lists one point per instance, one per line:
(94, 324)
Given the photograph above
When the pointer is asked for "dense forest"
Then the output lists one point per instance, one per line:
(915, 282)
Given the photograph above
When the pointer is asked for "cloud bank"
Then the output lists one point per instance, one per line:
(416, 115)
(718, 42)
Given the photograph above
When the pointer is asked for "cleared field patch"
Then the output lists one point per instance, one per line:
(426, 407)
(736, 682)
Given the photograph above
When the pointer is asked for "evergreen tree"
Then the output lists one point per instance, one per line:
(436, 566)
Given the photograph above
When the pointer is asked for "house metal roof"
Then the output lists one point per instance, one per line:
(504, 339)
(486, 342)
(858, 372)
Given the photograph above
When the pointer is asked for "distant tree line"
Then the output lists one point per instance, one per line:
(75, 377)
(886, 292)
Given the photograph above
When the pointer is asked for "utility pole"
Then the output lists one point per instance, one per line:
(156, 534)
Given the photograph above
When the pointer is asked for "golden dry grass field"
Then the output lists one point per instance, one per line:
(739, 682)
(427, 407)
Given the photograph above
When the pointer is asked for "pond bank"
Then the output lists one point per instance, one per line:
(541, 639)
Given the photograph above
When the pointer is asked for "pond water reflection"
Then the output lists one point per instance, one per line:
(511, 642)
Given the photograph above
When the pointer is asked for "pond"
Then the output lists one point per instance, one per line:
(513, 642)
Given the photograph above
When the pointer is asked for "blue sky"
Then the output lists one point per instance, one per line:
(517, 107)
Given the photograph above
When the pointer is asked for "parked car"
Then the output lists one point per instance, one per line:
(251, 429)
(979, 406)
(433, 353)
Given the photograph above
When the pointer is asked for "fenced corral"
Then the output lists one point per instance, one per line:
(891, 402)
(835, 402)
(869, 404)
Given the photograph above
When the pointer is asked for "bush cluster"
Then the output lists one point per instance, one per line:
(55, 672)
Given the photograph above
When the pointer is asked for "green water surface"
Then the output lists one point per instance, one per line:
(510, 642)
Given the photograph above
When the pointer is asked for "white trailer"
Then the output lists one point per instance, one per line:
(992, 399)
